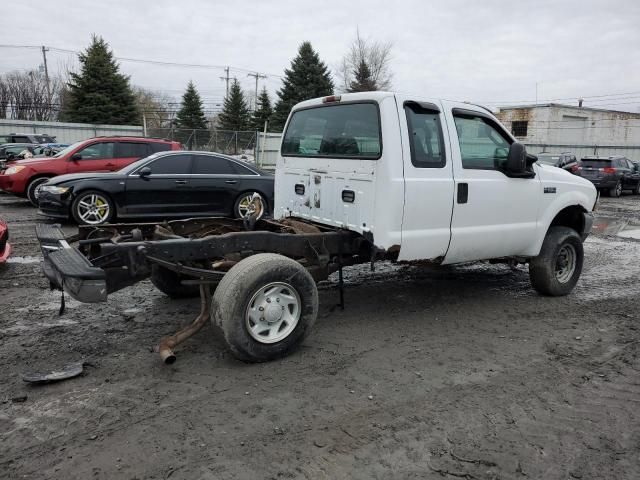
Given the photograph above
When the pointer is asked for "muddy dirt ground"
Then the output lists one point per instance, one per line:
(463, 372)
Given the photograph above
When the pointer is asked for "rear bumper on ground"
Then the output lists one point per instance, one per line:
(67, 269)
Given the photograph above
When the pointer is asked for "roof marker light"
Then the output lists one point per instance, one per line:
(331, 99)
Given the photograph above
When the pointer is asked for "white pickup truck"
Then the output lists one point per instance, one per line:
(361, 177)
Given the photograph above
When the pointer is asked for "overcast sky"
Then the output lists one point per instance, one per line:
(486, 51)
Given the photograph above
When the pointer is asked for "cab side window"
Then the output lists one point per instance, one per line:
(97, 151)
(426, 140)
(482, 145)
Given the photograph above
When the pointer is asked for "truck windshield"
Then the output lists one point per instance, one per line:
(336, 131)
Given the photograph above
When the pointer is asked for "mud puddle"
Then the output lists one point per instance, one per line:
(617, 226)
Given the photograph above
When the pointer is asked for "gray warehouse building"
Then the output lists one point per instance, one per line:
(582, 130)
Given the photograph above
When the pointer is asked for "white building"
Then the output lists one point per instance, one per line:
(572, 128)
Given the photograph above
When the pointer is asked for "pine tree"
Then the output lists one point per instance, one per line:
(235, 112)
(100, 93)
(307, 78)
(190, 114)
(362, 79)
(264, 111)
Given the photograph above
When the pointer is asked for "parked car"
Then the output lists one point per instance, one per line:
(27, 138)
(49, 149)
(101, 154)
(12, 151)
(5, 246)
(164, 185)
(566, 161)
(611, 174)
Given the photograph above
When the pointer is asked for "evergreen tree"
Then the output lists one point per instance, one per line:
(99, 93)
(263, 111)
(307, 78)
(235, 112)
(190, 114)
(362, 79)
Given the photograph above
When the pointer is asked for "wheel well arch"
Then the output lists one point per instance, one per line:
(571, 217)
(39, 175)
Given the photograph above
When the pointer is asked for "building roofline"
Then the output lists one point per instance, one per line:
(561, 105)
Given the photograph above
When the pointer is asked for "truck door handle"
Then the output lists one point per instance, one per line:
(463, 192)
(181, 182)
(231, 182)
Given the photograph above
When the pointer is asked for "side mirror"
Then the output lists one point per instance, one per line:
(75, 157)
(518, 162)
(144, 172)
(516, 159)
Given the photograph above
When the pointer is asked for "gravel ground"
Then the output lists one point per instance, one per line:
(461, 372)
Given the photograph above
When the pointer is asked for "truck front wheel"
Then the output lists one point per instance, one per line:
(265, 305)
(555, 271)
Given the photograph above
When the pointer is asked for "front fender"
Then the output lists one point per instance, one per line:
(567, 199)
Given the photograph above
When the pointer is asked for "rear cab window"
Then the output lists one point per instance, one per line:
(426, 141)
(349, 130)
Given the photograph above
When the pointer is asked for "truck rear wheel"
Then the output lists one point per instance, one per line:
(265, 305)
(169, 283)
(555, 271)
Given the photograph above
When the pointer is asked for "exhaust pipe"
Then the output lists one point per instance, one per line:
(167, 344)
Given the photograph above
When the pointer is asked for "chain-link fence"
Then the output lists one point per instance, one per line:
(221, 141)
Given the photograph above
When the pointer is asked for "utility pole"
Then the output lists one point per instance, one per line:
(46, 75)
(257, 77)
(226, 79)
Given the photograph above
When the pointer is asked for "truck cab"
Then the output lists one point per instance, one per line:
(427, 178)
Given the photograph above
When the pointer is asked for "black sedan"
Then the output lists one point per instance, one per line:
(163, 185)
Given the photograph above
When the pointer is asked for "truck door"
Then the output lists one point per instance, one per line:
(493, 215)
(429, 183)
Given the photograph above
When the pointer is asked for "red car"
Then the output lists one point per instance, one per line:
(5, 246)
(101, 154)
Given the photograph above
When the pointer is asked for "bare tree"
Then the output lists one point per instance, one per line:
(24, 96)
(377, 58)
(154, 106)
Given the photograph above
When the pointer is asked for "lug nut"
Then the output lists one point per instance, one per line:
(261, 309)
(268, 300)
(278, 300)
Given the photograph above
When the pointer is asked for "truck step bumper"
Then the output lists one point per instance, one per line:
(66, 268)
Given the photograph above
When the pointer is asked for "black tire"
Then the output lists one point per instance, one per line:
(232, 301)
(636, 191)
(616, 191)
(545, 269)
(82, 196)
(32, 187)
(236, 205)
(169, 283)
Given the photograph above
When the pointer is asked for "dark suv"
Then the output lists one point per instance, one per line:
(565, 160)
(611, 174)
(27, 138)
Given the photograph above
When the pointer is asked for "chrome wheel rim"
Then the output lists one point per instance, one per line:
(273, 312)
(93, 209)
(618, 189)
(244, 205)
(36, 191)
(566, 263)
